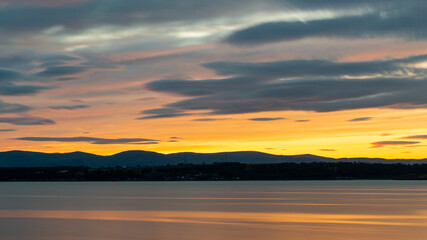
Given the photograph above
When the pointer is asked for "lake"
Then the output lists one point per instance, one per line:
(236, 210)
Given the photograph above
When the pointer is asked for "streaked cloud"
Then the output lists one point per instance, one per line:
(405, 23)
(416, 137)
(210, 119)
(361, 119)
(392, 143)
(26, 121)
(266, 119)
(69, 107)
(249, 90)
(92, 140)
(7, 130)
(12, 107)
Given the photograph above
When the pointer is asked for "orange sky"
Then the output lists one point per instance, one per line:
(95, 76)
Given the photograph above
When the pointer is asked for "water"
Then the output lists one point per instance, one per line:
(271, 210)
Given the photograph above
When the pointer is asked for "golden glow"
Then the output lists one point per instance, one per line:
(240, 218)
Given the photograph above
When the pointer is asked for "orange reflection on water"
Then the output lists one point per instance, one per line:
(244, 218)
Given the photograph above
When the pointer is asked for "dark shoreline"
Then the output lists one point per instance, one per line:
(221, 172)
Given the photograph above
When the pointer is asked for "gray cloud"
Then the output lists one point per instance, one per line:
(162, 113)
(416, 137)
(302, 120)
(156, 116)
(26, 121)
(11, 89)
(176, 138)
(249, 91)
(404, 23)
(87, 14)
(12, 107)
(386, 143)
(59, 71)
(315, 68)
(7, 130)
(91, 140)
(265, 119)
(360, 119)
(9, 75)
(210, 119)
(66, 107)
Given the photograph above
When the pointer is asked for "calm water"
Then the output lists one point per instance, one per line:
(214, 210)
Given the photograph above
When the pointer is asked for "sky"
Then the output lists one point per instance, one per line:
(336, 78)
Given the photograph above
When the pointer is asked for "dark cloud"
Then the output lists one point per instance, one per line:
(91, 140)
(66, 107)
(302, 120)
(404, 23)
(12, 107)
(245, 93)
(316, 68)
(145, 99)
(210, 119)
(265, 119)
(11, 89)
(199, 88)
(7, 130)
(59, 71)
(387, 143)
(26, 121)
(416, 137)
(156, 116)
(58, 58)
(95, 13)
(360, 119)
(162, 113)
(175, 138)
(7, 75)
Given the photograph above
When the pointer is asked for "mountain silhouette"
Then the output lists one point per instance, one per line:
(146, 158)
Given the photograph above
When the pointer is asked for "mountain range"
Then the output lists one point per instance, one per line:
(146, 158)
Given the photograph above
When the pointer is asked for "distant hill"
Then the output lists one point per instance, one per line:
(145, 158)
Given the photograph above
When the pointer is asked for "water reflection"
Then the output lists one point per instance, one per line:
(214, 210)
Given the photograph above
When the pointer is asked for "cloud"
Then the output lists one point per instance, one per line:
(97, 13)
(360, 119)
(266, 119)
(176, 138)
(12, 107)
(7, 130)
(406, 23)
(248, 90)
(66, 107)
(91, 140)
(387, 143)
(59, 71)
(162, 113)
(26, 121)
(156, 116)
(302, 120)
(7, 75)
(316, 68)
(416, 137)
(10, 89)
(210, 119)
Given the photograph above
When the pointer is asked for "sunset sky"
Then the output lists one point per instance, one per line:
(336, 78)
